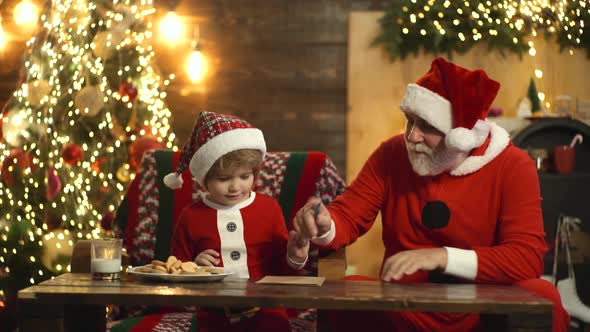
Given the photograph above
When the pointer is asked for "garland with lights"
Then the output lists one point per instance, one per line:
(89, 104)
(444, 26)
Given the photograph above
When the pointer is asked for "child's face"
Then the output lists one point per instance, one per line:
(231, 186)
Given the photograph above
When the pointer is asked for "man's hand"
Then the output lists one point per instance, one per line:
(410, 261)
(208, 258)
(306, 226)
(297, 250)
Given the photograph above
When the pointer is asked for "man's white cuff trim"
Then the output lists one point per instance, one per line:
(461, 263)
(295, 265)
(327, 237)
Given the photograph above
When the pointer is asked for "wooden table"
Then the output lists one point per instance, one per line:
(84, 299)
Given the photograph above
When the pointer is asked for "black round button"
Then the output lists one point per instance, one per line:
(435, 215)
(231, 226)
(235, 255)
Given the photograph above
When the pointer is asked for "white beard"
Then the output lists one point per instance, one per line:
(428, 162)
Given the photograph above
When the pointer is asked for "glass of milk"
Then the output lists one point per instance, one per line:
(105, 258)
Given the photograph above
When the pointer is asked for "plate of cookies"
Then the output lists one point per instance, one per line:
(174, 270)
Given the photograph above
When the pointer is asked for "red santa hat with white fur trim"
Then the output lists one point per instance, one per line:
(213, 136)
(455, 101)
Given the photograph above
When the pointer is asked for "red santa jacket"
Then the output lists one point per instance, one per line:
(250, 236)
(493, 199)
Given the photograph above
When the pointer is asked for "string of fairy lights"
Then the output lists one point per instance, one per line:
(42, 115)
(517, 13)
(442, 26)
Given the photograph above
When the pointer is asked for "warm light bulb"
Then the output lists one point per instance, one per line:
(532, 51)
(26, 13)
(538, 73)
(171, 28)
(197, 66)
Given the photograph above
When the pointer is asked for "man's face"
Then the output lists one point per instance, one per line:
(426, 149)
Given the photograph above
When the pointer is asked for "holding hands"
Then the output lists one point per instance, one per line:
(311, 221)
(410, 261)
(208, 257)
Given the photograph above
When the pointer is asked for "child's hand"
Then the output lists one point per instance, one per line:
(207, 258)
(297, 249)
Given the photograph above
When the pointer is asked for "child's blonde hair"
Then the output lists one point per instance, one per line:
(246, 157)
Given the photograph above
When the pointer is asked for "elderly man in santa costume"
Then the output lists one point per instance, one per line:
(459, 203)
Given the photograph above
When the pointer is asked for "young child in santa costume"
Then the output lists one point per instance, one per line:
(232, 226)
(459, 203)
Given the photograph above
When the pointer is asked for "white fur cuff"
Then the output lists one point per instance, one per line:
(327, 237)
(461, 263)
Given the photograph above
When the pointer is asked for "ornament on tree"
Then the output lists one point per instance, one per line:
(16, 127)
(127, 89)
(53, 184)
(123, 173)
(89, 100)
(139, 147)
(14, 166)
(124, 18)
(36, 90)
(106, 41)
(72, 154)
(106, 222)
(96, 165)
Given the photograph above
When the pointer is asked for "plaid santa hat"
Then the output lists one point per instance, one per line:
(455, 101)
(213, 136)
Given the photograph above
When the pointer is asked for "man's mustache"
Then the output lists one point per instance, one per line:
(419, 147)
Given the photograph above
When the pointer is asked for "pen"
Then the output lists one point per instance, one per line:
(316, 212)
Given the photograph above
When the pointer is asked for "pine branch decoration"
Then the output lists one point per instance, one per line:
(445, 27)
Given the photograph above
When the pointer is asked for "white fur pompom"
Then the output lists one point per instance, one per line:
(463, 139)
(173, 180)
(460, 139)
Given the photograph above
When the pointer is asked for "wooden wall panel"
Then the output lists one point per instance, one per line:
(280, 64)
(376, 87)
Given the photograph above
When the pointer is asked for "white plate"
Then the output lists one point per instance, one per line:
(166, 277)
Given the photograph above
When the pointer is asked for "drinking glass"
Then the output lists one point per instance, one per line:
(105, 258)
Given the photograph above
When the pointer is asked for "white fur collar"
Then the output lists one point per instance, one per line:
(499, 140)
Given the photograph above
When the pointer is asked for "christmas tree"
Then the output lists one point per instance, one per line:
(533, 96)
(90, 102)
